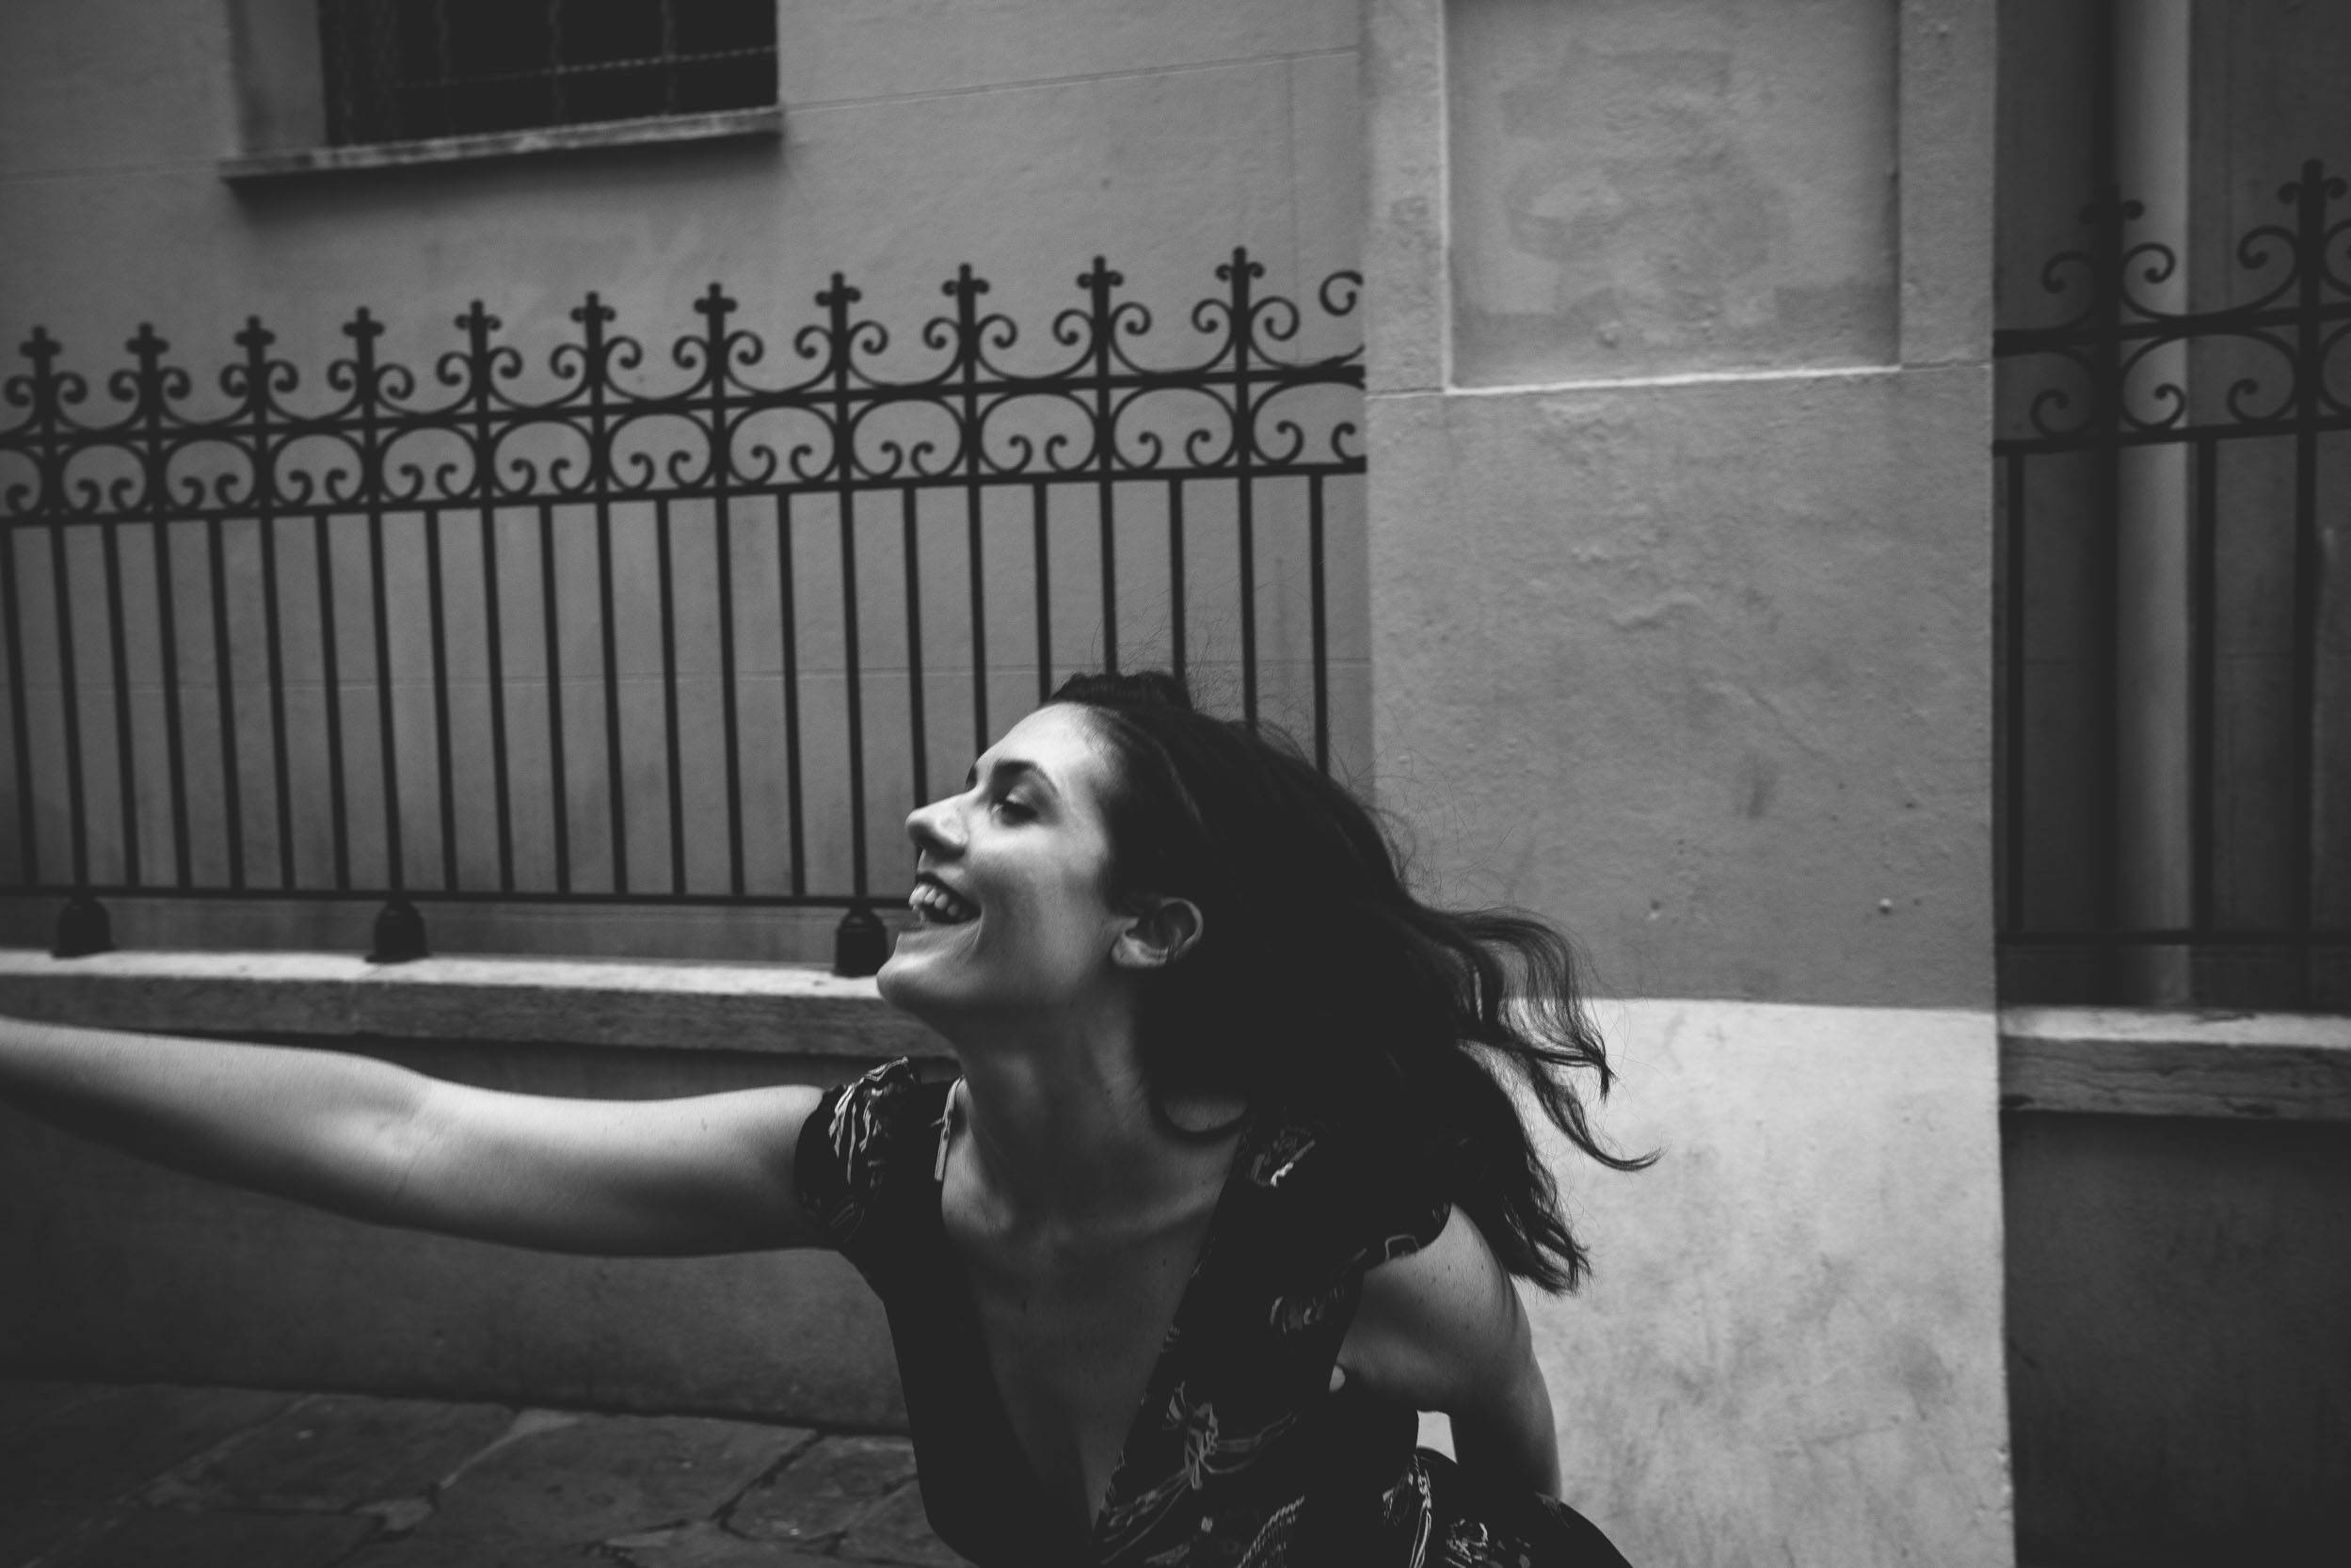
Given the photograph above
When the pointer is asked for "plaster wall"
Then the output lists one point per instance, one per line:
(1022, 137)
(1790, 1347)
(1682, 640)
(1696, 661)
(1638, 187)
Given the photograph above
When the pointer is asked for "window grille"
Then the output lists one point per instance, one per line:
(407, 70)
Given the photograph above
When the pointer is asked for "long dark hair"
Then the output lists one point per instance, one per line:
(1321, 981)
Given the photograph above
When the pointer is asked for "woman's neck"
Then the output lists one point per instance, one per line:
(1062, 1123)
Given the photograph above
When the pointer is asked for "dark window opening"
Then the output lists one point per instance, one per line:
(406, 69)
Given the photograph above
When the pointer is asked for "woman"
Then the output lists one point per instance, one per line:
(1226, 1192)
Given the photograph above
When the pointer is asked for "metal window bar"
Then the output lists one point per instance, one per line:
(403, 69)
(2069, 404)
(414, 470)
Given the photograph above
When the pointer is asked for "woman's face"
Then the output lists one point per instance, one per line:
(1011, 901)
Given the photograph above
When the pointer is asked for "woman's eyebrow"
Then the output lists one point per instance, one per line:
(1008, 770)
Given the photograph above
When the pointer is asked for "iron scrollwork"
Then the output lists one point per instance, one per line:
(2102, 378)
(839, 409)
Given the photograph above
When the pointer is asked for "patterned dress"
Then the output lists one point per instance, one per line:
(1239, 1455)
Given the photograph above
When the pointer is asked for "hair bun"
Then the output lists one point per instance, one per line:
(1140, 689)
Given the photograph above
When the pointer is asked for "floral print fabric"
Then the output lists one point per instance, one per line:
(1239, 1455)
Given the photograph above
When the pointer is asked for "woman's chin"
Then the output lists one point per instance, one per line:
(900, 977)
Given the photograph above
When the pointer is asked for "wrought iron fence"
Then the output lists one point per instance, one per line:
(2262, 416)
(463, 473)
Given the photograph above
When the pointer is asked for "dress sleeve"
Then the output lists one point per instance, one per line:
(1340, 1211)
(863, 1158)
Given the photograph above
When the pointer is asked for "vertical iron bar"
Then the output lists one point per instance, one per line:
(175, 751)
(1320, 653)
(852, 678)
(979, 618)
(668, 53)
(441, 71)
(788, 613)
(2309, 374)
(715, 305)
(730, 727)
(2203, 671)
(966, 290)
(2012, 817)
(841, 338)
(388, 750)
(70, 705)
(558, 797)
(2105, 610)
(614, 782)
(494, 645)
(20, 724)
(437, 614)
(595, 369)
(916, 737)
(125, 771)
(1100, 283)
(281, 771)
(332, 655)
(224, 684)
(1175, 575)
(482, 372)
(255, 340)
(555, 57)
(669, 699)
(1044, 593)
(1244, 454)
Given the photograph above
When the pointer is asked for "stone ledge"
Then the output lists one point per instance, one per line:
(775, 1009)
(720, 125)
(2277, 1066)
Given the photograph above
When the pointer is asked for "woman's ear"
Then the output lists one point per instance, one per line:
(1165, 930)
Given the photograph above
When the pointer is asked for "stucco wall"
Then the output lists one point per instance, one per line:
(1681, 638)
(1022, 137)
(1697, 660)
(1790, 1349)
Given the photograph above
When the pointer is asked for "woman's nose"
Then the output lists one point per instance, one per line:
(936, 828)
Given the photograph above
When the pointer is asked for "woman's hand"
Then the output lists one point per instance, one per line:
(1442, 1329)
(710, 1174)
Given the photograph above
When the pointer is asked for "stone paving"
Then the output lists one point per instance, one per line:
(93, 1475)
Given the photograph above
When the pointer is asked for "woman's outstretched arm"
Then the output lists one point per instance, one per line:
(709, 1173)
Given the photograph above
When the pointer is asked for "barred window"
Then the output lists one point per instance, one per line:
(406, 70)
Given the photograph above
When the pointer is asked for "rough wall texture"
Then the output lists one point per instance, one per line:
(1683, 640)
(1638, 187)
(1698, 663)
(1697, 669)
(1790, 1347)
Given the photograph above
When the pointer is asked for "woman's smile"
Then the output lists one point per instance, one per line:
(935, 904)
(1017, 865)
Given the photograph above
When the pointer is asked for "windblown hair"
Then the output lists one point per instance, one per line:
(1320, 980)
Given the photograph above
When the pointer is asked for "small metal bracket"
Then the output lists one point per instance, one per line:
(860, 944)
(399, 934)
(82, 929)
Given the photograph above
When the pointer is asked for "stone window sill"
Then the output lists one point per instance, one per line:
(722, 125)
(2272, 1066)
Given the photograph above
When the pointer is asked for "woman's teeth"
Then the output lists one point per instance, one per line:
(932, 903)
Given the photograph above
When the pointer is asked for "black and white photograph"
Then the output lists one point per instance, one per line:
(1174, 783)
